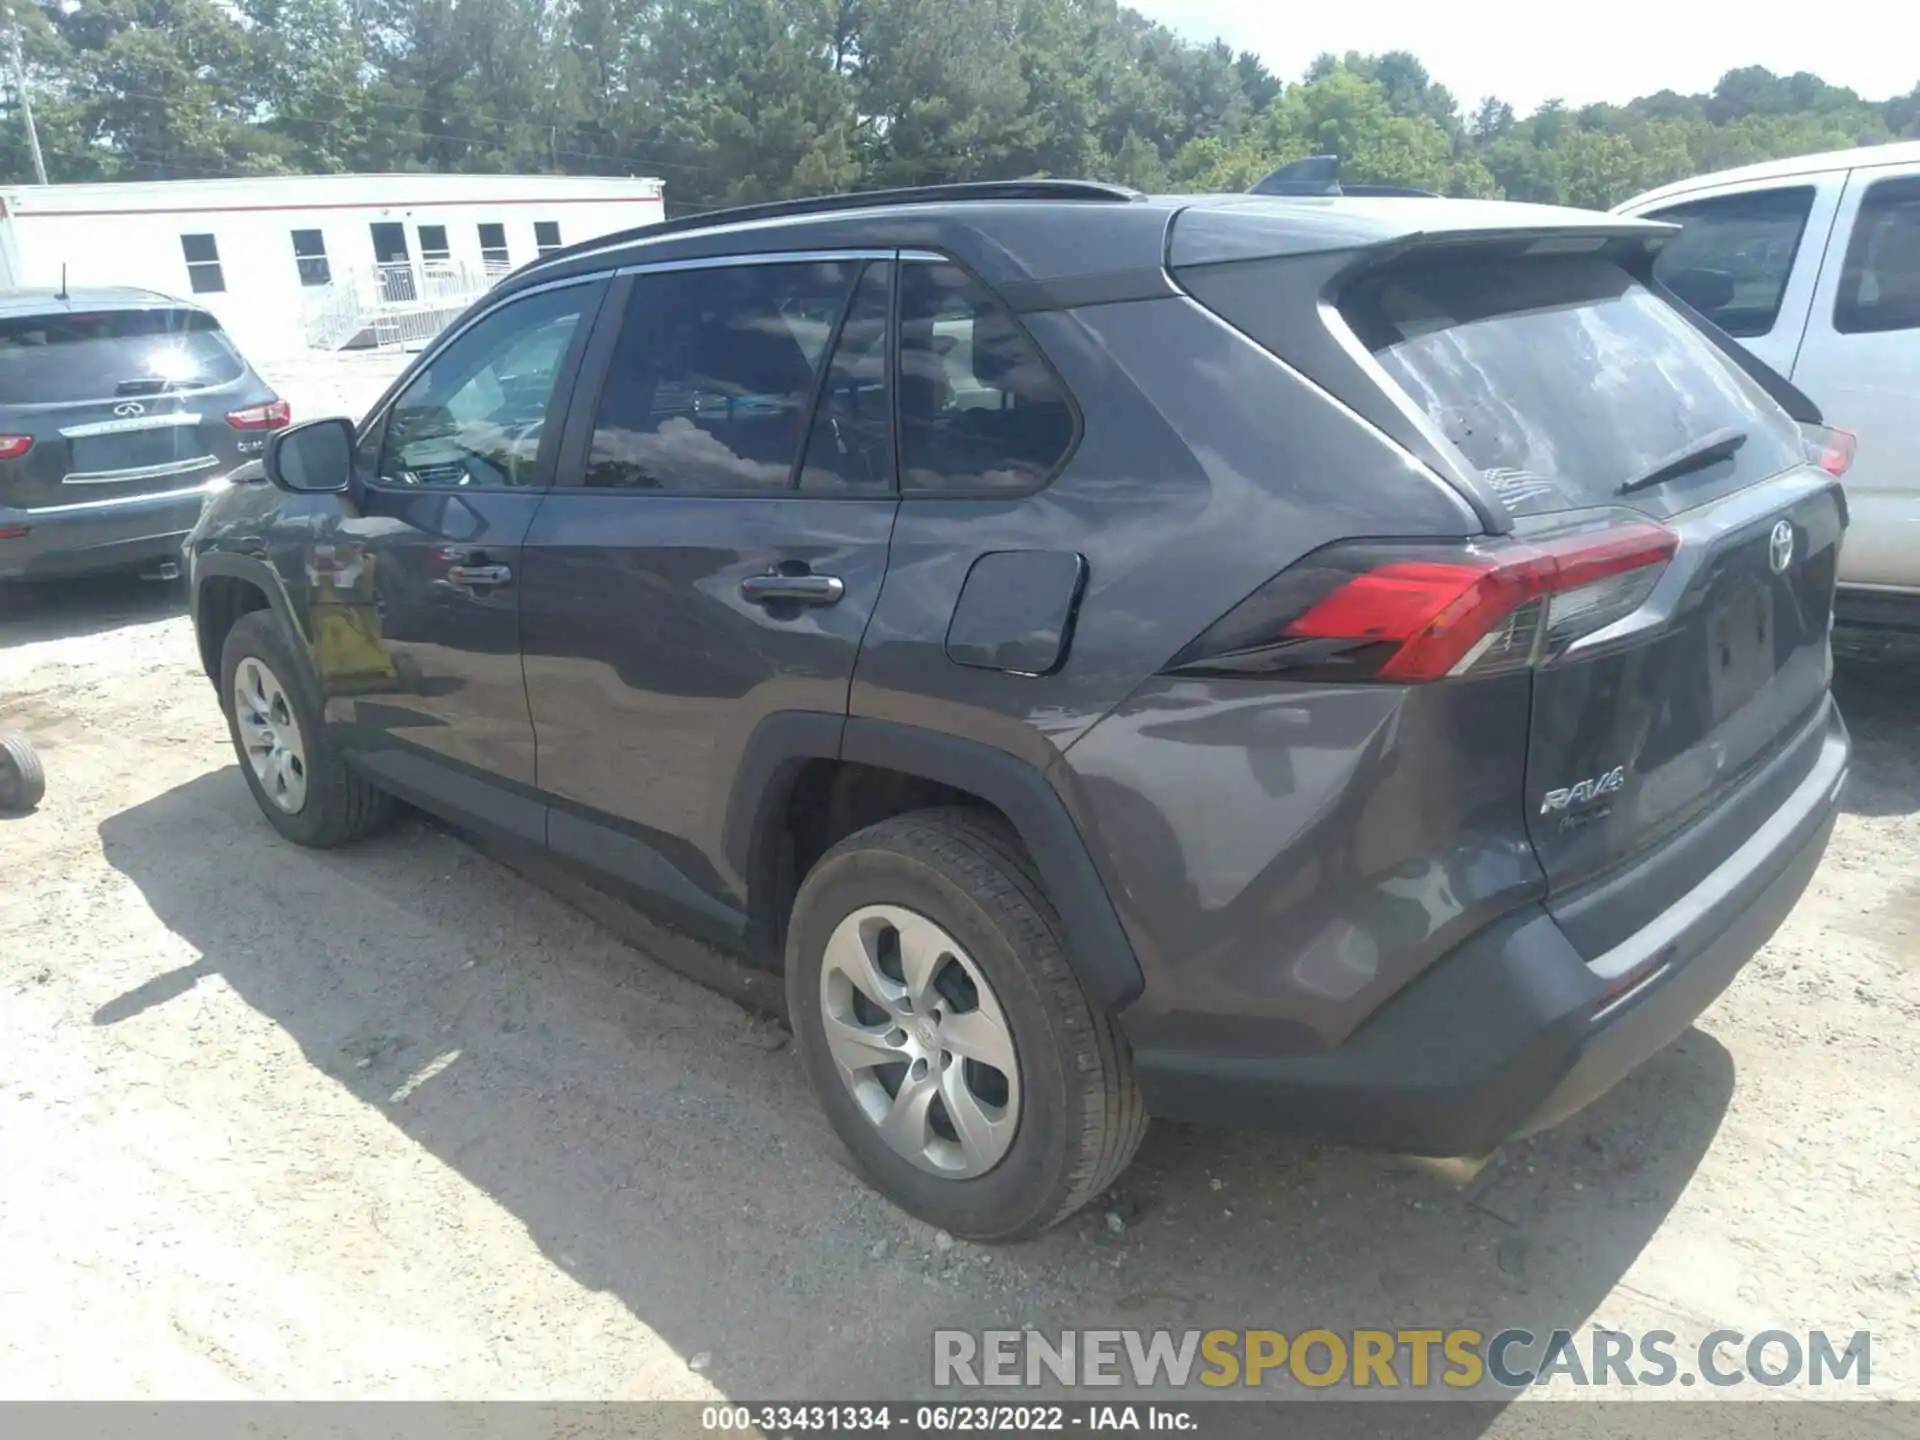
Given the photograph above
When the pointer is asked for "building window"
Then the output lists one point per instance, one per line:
(493, 247)
(203, 264)
(433, 243)
(546, 235)
(310, 257)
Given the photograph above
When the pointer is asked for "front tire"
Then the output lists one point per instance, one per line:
(945, 1035)
(299, 779)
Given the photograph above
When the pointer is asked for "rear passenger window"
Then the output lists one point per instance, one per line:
(1880, 282)
(850, 447)
(979, 409)
(1733, 255)
(712, 379)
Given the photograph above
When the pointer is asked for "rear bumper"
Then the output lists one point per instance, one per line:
(102, 535)
(1515, 1030)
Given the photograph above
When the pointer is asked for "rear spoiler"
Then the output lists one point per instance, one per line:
(1320, 175)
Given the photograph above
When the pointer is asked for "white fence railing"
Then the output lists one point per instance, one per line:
(387, 307)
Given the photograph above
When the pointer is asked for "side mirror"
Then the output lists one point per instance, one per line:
(315, 458)
(1705, 290)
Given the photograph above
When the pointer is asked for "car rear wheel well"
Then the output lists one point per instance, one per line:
(223, 600)
(832, 799)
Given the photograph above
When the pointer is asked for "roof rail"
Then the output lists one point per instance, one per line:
(1320, 175)
(980, 190)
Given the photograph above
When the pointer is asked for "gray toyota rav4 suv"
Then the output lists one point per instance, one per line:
(1357, 666)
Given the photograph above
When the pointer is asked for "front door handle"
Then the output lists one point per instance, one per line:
(468, 576)
(793, 589)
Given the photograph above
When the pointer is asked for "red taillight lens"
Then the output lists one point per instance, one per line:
(274, 415)
(12, 447)
(1410, 613)
(1830, 449)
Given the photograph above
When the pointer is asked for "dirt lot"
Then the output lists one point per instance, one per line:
(395, 1122)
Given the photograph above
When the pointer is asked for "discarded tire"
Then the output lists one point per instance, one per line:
(22, 781)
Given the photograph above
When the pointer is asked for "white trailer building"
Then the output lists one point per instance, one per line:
(324, 261)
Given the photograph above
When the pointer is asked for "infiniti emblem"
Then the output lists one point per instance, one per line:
(130, 407)
(1780, 547)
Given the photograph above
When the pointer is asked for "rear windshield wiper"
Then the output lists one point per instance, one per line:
(1717, 445)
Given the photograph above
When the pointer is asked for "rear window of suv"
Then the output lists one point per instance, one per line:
(1563, 380)
(51, 359)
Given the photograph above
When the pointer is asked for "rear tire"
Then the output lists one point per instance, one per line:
(23, 783)
(1017, 1153)
(297, 776)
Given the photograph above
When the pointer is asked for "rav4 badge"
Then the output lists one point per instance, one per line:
(1585, 791)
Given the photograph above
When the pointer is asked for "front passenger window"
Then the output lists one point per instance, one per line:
(1734, 254)
(475, 416)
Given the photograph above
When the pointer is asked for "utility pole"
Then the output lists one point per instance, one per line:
(20, 89)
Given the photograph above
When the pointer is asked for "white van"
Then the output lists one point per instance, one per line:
(1814, 264)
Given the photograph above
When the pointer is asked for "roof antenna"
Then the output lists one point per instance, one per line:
(63, 281)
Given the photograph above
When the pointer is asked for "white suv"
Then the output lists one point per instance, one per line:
(1814, 264)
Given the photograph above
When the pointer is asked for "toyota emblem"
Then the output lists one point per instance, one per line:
(130, 408)
(1780, 547)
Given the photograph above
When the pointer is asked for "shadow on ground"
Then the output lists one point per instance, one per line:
(1876, 679)
(659, 1143)
(68, 609)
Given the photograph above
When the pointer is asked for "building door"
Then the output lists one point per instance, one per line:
(395, 266)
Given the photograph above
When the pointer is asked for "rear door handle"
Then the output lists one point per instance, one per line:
(468, 576)
(793, 589)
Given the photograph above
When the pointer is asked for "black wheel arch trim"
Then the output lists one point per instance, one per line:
(228, 565)
(1097, 947)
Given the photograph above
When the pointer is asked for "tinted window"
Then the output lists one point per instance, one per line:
(851, 444)
(979, 409)
(1561, 380)
(310, 257)
(1880, 282)
(475, 416)
(433, 242)
(203, 264)
(546, 235)
(1733, 255)
(711, 381)
(47, 359)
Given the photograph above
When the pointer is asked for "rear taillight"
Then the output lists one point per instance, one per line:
(12, 447)
(274, 415)
(1830, 449)
(1393, 611)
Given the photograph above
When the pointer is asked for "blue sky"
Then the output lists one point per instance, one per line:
(1526, 51)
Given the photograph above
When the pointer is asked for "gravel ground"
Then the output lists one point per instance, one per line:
(397, 1122)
